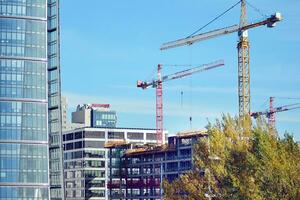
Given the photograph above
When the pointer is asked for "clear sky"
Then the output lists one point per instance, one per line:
(107, 45)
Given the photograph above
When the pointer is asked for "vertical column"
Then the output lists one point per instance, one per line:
(54, 103)
(243, 65)
(159, 107)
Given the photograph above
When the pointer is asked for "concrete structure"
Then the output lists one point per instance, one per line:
(136, 172)
(82, 115)
(64, 114)
(94, 115)
(86, 159)
(30, 117)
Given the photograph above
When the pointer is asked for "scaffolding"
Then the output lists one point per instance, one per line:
(137, 171)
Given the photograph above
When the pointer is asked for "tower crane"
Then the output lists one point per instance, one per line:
(243, 50)
(157, 83)
(270, 114)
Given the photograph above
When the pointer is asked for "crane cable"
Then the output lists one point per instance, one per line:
(287, 98)
(256, 9)
(223, 13)
(191, 90)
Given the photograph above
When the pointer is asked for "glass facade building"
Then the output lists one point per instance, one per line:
(103, 118)
(29, 100)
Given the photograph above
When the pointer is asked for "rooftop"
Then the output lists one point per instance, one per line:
(191, 133)
(109, 128)
(153, 148)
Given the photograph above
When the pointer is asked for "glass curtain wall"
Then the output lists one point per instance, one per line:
(24, 147)
(54, 107)
(30, 114)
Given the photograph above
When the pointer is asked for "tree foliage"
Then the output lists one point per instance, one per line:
(240, 161)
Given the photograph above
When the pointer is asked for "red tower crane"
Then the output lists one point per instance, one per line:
(157, 83)
(270, 114)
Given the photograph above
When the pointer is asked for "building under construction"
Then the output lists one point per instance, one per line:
(137, 172)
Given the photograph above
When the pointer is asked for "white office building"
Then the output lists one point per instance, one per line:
(86, 159)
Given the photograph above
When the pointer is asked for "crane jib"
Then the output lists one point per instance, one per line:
(222, 31)
(188, 72)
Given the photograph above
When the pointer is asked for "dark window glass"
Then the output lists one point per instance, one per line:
(94, 153)
(94, 134)
(151, 136)
(115, 135)
(94, 173)
(94, 183)
(135, 136)
(78, 135)
(94, 144)
(69, 136)
(69, 146)
(94, 163)
(77, 154)
(95, 193)
(78, 145)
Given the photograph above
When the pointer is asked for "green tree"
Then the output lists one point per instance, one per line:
(240, 161)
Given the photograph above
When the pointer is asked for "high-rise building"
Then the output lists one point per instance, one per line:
(30, 113)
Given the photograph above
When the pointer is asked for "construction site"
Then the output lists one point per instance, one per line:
(137, 171)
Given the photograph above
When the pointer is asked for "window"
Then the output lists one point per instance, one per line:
(186, 165)
(78, 145)
(78, 135)
(115, 135)
(94, 134)
(151, 136)
(94, 173)
(94, 154)
(185, 141)
(24, 163)
(94, 163)
(95, 193)
(94, 144)
(94, 183)
(135, 136)
(69, 137)
(69, 146)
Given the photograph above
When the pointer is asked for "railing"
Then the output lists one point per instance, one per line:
(142, 184)
(111, 185)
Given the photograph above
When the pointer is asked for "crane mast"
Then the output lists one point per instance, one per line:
(243, 65)
(159, 107)
(158, 84)
(271, 116)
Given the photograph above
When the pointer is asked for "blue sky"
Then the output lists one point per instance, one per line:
(106, 46)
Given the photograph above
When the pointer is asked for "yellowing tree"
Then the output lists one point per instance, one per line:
(240, 161)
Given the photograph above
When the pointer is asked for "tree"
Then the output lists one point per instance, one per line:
(251, 164)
